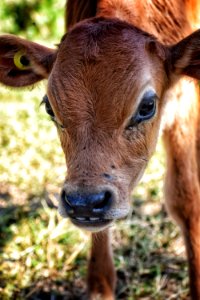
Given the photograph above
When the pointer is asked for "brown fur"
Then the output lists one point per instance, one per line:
(96, 80)
(78, 10)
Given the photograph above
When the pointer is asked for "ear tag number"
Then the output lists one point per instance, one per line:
(21, 61)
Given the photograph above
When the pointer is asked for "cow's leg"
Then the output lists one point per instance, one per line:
(101, 273)
(183, 195)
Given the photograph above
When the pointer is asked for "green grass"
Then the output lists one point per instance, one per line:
(33, 19)
(43, 255)
(24, 124)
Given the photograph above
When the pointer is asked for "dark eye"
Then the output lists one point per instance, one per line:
(146, 110)
(48, 106)
(50, 112)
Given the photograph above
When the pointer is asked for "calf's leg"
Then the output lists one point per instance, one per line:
(183, 196)
(101, 273)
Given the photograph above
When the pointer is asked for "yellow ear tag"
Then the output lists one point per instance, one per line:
(20, 60)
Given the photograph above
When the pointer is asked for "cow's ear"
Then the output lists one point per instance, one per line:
(23, 63)
(184, 57)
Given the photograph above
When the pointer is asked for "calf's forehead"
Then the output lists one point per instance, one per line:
(101, 67)
(99, 52)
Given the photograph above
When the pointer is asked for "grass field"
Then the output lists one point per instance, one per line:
(43, 256)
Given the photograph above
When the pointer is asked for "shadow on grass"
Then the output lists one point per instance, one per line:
(151, 268)
(55, 290)
(127, 284)
(146, 268)
(63, 285)
(13, 214)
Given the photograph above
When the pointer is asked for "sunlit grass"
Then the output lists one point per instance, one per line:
(42, 246)
(31, 156)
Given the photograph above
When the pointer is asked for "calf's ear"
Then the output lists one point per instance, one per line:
(23, 63)
(184, 58)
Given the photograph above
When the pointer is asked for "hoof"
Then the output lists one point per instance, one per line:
(101, 290)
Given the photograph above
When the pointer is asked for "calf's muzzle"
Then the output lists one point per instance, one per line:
(87, 208)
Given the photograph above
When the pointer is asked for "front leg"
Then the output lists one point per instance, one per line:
(183, 194)
(101, 272)
(192, 240)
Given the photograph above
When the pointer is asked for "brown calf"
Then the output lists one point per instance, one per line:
(109, 84)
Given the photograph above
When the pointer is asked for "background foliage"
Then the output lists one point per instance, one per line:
(41, 19)
(41, 255)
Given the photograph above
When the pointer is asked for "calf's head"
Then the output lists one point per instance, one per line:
(105, 93)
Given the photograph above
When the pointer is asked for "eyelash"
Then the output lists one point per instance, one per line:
(148, 103)
(50, 112)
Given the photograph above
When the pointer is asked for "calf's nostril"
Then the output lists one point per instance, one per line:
(105, 199)
(87, 204)
(68, 206)
(64, 196)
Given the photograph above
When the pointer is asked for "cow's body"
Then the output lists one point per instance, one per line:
(109, 83)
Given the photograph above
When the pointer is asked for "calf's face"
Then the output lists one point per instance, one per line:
(106, 95)
(105, 91)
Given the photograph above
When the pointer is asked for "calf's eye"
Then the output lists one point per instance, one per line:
(48, 108)
(50, 112)
(146, 109)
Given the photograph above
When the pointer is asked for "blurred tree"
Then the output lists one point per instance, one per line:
(33, 18)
